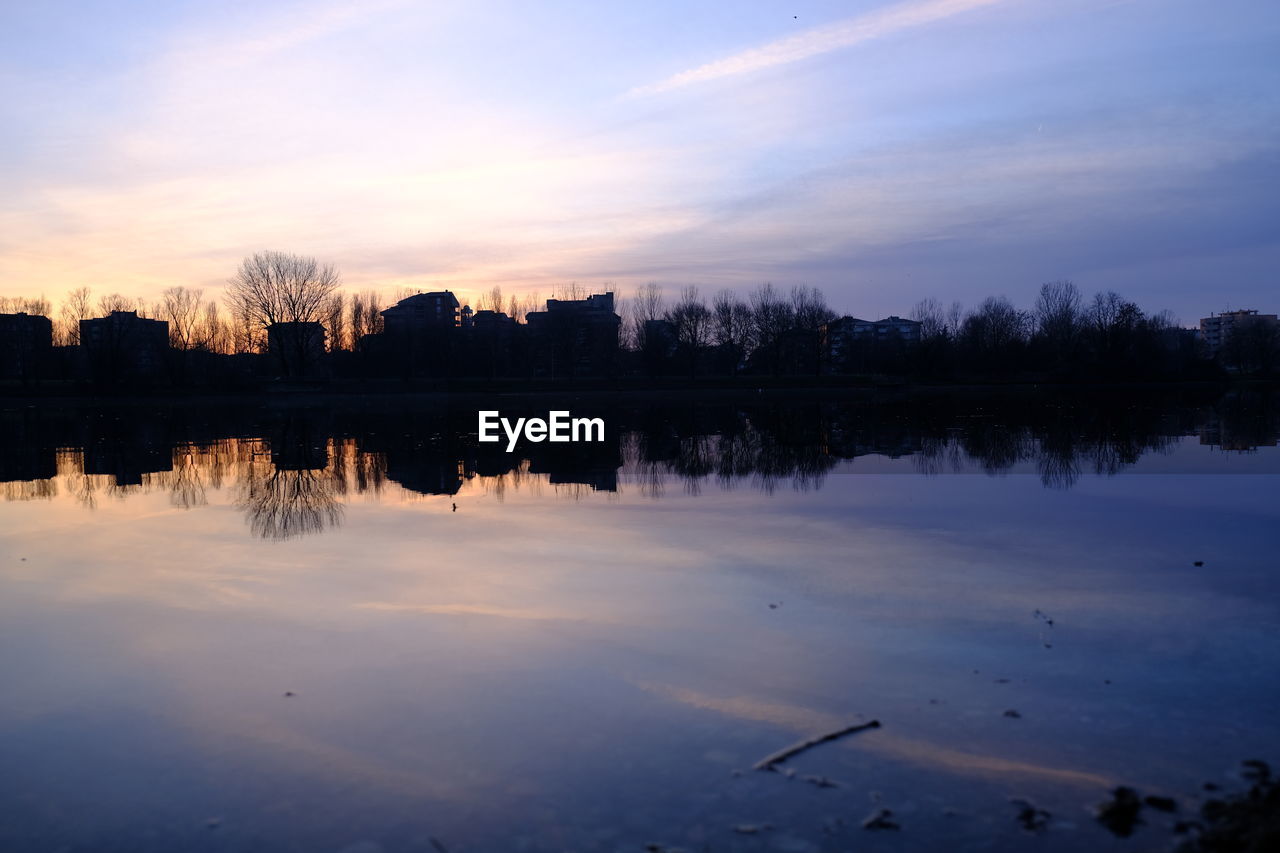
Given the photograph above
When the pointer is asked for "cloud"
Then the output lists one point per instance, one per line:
(819, 40)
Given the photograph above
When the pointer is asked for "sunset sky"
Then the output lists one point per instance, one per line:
(885, 152)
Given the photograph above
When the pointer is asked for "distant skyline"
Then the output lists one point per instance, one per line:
(885, 152)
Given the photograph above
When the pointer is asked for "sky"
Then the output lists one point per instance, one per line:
(885, 152)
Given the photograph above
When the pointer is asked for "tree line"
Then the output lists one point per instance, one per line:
(766, 330)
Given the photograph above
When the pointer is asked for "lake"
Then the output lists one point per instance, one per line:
(346, 625)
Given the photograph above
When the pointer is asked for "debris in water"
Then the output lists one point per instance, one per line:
(1031, 818)
(1198, 563)
(1248, 821)
(1120, 814)
(882, 819)
(289, 693)
(1002, 681)
(770, 762)
(820, 781)
(213, 822)
(1012, 714)
(1043, 617)
(435, 842)
(751, 828)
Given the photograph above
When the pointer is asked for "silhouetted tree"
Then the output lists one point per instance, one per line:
(771, 317)
(731, 328)
(115, 302)
(180, 307)
(335, 321)
(75, 307)
(691, 320)
(995, 333)
(277, 287)
(1058, 317)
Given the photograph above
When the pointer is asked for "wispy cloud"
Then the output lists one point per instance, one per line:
(819, 40)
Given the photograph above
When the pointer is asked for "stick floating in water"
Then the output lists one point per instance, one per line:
(770, 762)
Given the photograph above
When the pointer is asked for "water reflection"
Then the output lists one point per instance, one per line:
(291, 467)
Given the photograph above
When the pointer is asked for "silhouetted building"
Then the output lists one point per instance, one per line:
(907, 331)
(1216, 330)
(123, 347)
(575, 337)
(418, 337)
(296, 348)
(426, 473)
(422, 313)
(490, 345)
(26, 343)
(851, 344)
(492, 321)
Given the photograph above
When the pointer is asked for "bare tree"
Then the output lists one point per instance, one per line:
(1112, 321)
(277, 287)
(212, 334)
(356, 319)
(75, 307)
(1057, 308)
(114, 302)
(513, 309)
(531, 303)
(335, 320)
(691, 320)
(246, 335)
(180, 307)
(932, 319)
(955, 319)
(25, 305)
(365, 316)
(996, 327)
(771, 317)
(731, 326)
(491, 301)
(809, 308)
(642, 308)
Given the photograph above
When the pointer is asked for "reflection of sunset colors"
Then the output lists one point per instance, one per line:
(495, 666)
(297, 477)
(900, 150)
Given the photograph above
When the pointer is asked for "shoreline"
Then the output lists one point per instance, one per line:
(685, 391)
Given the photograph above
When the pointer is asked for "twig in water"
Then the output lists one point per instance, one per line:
(770, 762)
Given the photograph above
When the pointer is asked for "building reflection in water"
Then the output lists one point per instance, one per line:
(291, 469)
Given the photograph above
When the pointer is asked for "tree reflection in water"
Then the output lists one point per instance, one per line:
(290, 470)
(281, 504)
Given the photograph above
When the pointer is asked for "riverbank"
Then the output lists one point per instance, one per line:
(722, 389)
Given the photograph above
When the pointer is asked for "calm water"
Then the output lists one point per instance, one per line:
(588, 647)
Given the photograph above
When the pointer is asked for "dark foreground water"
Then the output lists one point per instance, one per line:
(352, 628)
